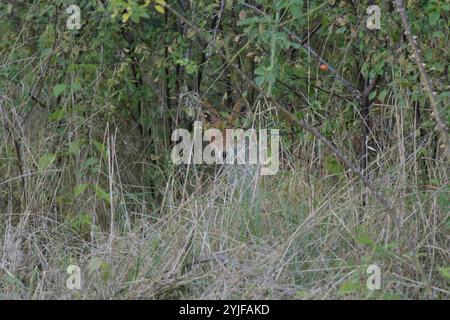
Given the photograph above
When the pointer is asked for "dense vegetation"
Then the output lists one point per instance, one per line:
(86, 178)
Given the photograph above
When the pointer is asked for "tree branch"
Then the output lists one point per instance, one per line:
(440, 126)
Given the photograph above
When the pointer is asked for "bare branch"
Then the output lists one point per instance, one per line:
(440, 126)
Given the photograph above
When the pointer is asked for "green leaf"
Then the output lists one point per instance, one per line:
(94, 265)
(82, 222)
(434, 17)
(443, 200)
(102, 194)
(445, 272)
(362, 239)
(160, 9)
(80, 189)
(12, 279)
(126, 16)
(382, 94)
(58, 89)
(333, 166)
(438, 34)
(99, 146)
(89, 162)
(75, 146)
(105, 271)
(97, 264)
(9, 8)
(57, 115)
(45, 161)
(191, 68)
(348, 287)
(372, 95)
(391, 296)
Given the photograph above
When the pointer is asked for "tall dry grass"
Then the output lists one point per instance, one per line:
(141, 227)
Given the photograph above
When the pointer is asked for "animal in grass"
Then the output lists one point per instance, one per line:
(234, 148)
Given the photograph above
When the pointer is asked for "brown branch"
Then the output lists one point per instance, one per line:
(17, 148)
(38, 87)
(312, 33)
(440, 126)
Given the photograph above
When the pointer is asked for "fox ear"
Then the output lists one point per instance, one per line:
(211, 115)
(240, 107)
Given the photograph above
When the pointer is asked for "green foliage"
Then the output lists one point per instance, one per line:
(45, 161)
(98, 265)
(134, 10)
(72, 100)
(445, 272)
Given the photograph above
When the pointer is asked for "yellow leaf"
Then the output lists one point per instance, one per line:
(159, 9)
(154, 157)
(161, 2)
(229, 4)
(190, 34)
(125, 17)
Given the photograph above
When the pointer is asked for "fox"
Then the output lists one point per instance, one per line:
(242, 171)
(214, 120)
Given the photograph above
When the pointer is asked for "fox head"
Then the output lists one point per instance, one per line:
(212, 119)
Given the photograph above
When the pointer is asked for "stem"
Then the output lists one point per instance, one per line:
(440, 126)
